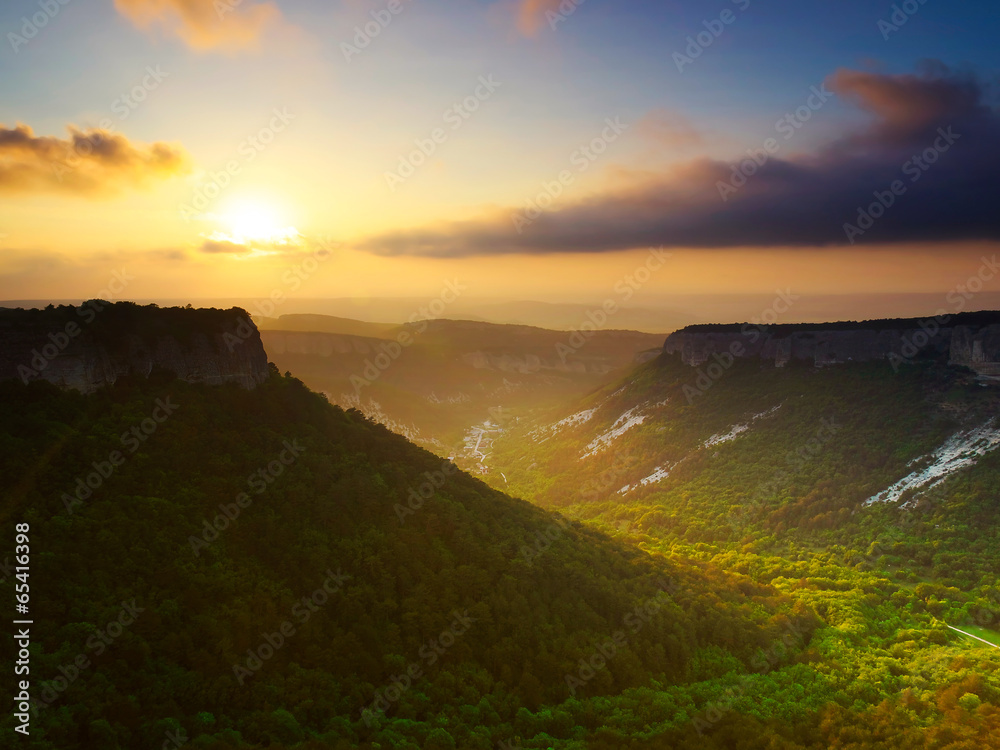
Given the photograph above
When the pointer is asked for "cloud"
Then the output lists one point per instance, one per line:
(790, 201)
(668, 129)
(288, 242)
(227, 25)
(88, 162)
(171, 254)
(531, 14)
(224, 247)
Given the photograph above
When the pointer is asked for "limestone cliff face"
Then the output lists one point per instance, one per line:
(971, 339)
(977, 348)
(87, 348)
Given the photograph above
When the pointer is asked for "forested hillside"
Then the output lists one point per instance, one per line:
(262, 569)
(867, 493)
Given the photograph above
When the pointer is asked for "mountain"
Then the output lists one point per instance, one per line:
(866, 490)
(94, 344)
(443, 383)
(800, 557)
(328, 324)
(969, 339)
(237, 568)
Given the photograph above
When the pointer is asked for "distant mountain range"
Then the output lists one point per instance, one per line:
(435, 381)
(647, 313)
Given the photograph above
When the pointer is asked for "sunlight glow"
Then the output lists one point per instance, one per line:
(255, 222)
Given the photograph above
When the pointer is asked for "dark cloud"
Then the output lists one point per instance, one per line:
(88, 162)
(790, 201)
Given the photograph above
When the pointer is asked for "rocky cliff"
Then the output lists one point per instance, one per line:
(97, 343)
(969, 339)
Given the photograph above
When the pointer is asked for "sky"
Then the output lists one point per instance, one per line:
(520, 149)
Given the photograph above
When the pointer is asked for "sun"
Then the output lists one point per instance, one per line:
(248, 222)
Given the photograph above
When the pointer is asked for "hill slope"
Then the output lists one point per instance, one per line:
(263, 569)
(865, 492)
(440, 381)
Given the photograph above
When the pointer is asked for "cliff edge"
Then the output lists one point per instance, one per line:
(968, 339)
(95, 344)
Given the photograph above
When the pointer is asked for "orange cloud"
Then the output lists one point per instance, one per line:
(227, 25)
(531, 15)
(88, 162)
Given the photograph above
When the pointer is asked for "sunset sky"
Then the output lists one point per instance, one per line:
(210, 148)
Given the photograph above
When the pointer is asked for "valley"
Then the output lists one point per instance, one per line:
(761, 474)
(706, 568)
(500, 375)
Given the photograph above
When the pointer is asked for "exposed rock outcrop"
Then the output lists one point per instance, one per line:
(977, 348)
(969, 339)
(88, 347)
